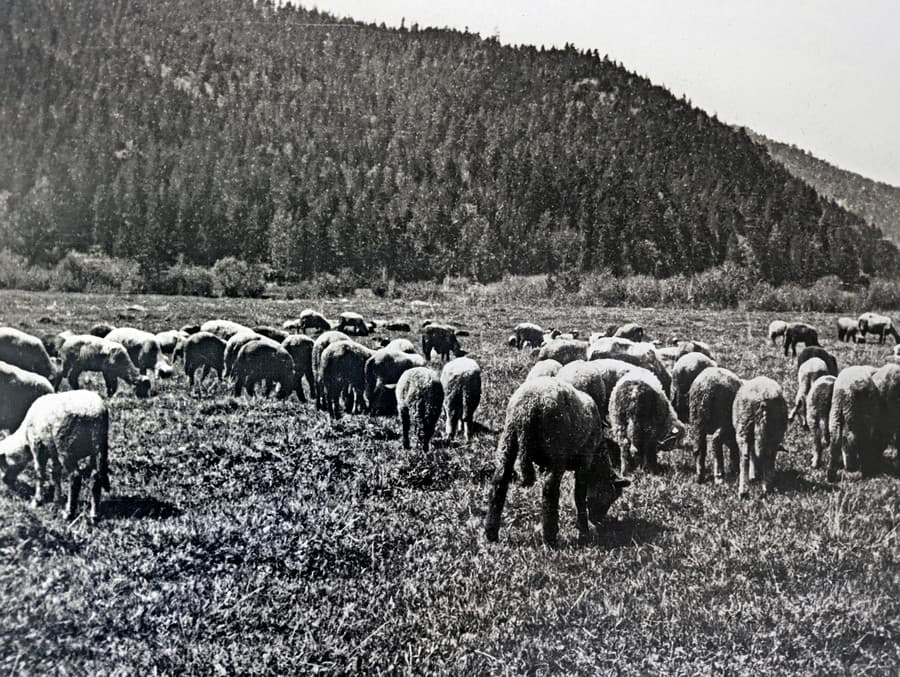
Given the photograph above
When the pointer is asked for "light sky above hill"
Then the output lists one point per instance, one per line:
(821, 74)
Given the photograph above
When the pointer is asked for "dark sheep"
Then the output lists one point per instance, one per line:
(442, 338)
(205, 351)
(384, 370)
(234, 344)
(101, 329)
(191, 329)
(810, 352)
(342, 374)
(799, 332)
(263, 361)
(352, 324)
(420, 397)
(322, 342)
(528, 332)
(398, 325)
(300, 347)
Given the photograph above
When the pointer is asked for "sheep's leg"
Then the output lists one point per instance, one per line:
(700, 454)
(190, 375)
(298, 386)
(581, 515)
(834, 457)
(250, 386)
(74, 490)
(467, 430)
(507, 450)
(40, 475)
(112, 383)
(74, 373)
(97, 484)
(426, 429)
(817, 444)
(56, 478)
(734, 455)
(405, 425)
(238, 386)
(744, 445)
(550, 507)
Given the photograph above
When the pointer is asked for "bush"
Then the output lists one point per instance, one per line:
(235, 277)
(97, 273)
(186, 280)
(15, 273)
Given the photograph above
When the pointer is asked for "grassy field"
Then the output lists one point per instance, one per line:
(247, 535)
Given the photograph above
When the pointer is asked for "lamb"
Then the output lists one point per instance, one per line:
(553, 426)
(527, 332)
(563, 350)
(777, 329)
(224, 329)
(847, 329)
(101, 329)
(309, 319)
(544, 368)
(611, 371)
(759, 416)
(461, 381)
(300, 347)
(143, 349)
(799, 332)
(807, 374)
(810, 352)
(85, 352)
(687, 368)
(887, 380)
(711, 398)
(342, 372)
(587, 377)
(27, 352)
(60, 429)
(818, 410)
(353, 324)
(203, 350)
(277, 335)
(383, 370)
(880, 325)
(18, 389)
(631, 331)
(640, 354)
(234, 344)
(324, 340)
(168, 341)
(420, 396)
(263, 361)
(855, 423)
(642, 420)
(443, 339)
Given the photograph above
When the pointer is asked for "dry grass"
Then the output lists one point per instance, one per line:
(248, 535)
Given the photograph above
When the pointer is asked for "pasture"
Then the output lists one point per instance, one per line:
(246, 535)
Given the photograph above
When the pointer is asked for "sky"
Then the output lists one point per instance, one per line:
(823, 75)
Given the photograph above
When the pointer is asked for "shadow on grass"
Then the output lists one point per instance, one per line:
(137, 507)
(628, 531)
(790, 480)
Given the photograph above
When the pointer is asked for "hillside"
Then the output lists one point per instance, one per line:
(876, 202)
(196, 129)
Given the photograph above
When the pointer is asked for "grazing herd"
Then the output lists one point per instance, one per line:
(600, 408)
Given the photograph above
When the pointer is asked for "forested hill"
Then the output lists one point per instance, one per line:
(196, 129)
(877, 202)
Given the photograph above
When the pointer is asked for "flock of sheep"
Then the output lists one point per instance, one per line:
(596, 407)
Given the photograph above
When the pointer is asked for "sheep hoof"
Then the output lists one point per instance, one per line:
(492, 534)
(744, 494)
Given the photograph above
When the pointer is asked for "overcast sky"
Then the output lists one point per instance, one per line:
(821, 74)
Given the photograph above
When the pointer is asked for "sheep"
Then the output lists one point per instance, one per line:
(324, 340)
(807, 374)
(420, 397)
(398, 325)
(309, 319)
(84, 352)
(563, 350)
(776, 330)
(277, 335)
(342, 373)
(610, 371)
(693, 346)
(461, 380)
(630, 330)
(810, 352)
(818, 410)
(711, 397)
(443, 339)
(760, 418)
(168, 341)
(587, 377)
(687, 368)
(224, 329)
(640, 354)
(642, 420)
(401, 345)
(300, 347)
(263, 361)
(18, 389)
(52, 342)
(27, 352)
(527, 332)
(383, 370)
(190, 329)
(880, 325)
(553, 426)
(353, 324)
(887, 380)
(60, 429)
(143, 349)
(855, 422)
(101, 329)
(557, 334)
(203, 350)
(234, 344)
(544, 368)
(847, 329)
(799, 332)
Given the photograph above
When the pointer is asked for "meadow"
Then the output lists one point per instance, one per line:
(248, 535)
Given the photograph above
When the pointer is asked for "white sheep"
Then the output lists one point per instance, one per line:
(687, 368)
(84, 352)
(461, 380)
(420, 397)
(168, 341)
(630, 330)
(18, 389)
(641, 354)
(563, 350)
(855, 422)
(143, 349)
(59, 430)
(544, 368)
(27, 352)
(776, 330)
(322, 342)
(807, 373)
(587, 377)
(224, 329)
(759, 416)
(710, 398)
(818, 411)
(887, 380)
(342, 374)
(300, 347)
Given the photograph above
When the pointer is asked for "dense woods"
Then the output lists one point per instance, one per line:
(192, 130)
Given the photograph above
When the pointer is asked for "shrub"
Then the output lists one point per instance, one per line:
(235, 277)
(15, 273)
(186, 280)
(883, 295)
(97, 273)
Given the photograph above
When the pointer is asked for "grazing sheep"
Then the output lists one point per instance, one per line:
(887, 380)
(461, 379)
(398, 325)
(168, 341)
(810, 352)
(642, 420)
(799, 332)
(342, 373)
(640, 354)
(234, 344)
(527, 332)
(544, 368)
(101, 329)
(322, 342)
(687, 368)
(711, 397)
(611, 371)
(563, 350)
(777, 329)
(551, 425)
(300, 347)
(85, 352)
(420, 397)
(557, 334)
(880, 325)
(587, 377)
(686, 347)
(353, 324)
(443, 339)
(18, 389)
(224, 329)
(191, 329)
(807, 374)
(847, 329)
(759, 416)
(206, 351)
(855, 422)
(818, 410)
(401, 345)
(143, 349)
(263, 361)
(384, 370)
(309, 319)
(59, 430)
(277, 335)
(52, 342)
(631, 331)
(27, 352)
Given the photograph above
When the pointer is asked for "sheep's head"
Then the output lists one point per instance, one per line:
(676, 432)
(603, 494)
(55, 372)
(142, 387)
